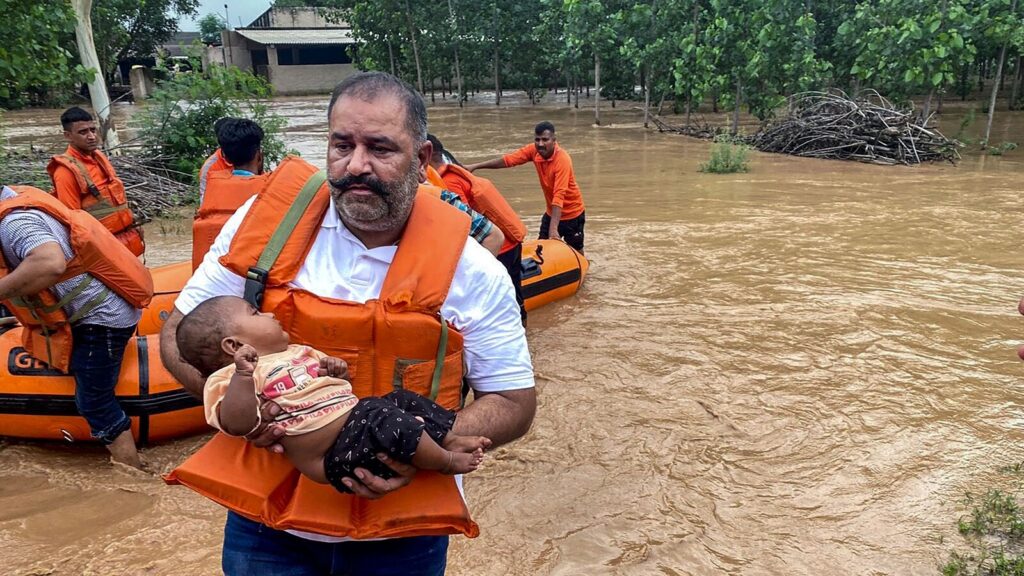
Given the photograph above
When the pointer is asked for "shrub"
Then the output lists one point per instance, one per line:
(176, 126)
(727, 156)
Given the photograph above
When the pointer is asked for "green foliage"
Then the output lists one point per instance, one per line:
(36, 67)
(177, 123)
(994, 529)
(210, 27)
(728, 156)
(133, 28)
(1002, 148)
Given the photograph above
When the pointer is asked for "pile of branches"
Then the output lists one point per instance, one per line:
(867, 129)
(150, 186)
(702, 130)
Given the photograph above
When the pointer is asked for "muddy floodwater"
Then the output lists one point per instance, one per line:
(797, 370)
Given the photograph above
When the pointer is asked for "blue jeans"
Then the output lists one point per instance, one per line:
(96, 354)
(252, 549)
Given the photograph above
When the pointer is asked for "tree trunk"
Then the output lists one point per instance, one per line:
(415, 49)
(391, 55)
(455, 45)
(497, 60)
(597, 89)
(1014, 86)
(736, 108)
(647, 94)
(661, 103)
(568, 91)
(995, 84)
(576, 97)
(97, 88)
(927, 106)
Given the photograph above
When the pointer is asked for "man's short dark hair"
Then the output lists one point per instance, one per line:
(543, 127)
(220, 123)
(240, 139)
(200, 333)
(367, 85)
(438, 147)
(72, 115)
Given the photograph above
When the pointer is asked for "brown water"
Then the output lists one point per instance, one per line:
(798, 370)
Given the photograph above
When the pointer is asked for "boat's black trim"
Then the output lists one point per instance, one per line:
(64, 405)
(142, 348)
(552, 283)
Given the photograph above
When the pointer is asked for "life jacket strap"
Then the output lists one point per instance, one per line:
(442, 349)
(256, 276)
(89, 184)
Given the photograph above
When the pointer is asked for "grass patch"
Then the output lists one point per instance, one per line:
(1002, 148)
(727, 157)
(993, 530)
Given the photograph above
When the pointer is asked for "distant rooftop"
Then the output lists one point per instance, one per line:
(313, 36)
(295, 18)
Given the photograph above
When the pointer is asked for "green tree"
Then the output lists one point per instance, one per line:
(134, 28)
(908, 47)
(210, 27)
(589, 29)
(37, 67)
(176, 126)
(1002, 25)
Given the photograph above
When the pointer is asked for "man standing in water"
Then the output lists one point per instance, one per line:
(565, 214)
(36, 252)
(84, 179)
(373, 271)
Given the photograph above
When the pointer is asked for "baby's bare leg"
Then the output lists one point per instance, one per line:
(306, 451)
(430, 456)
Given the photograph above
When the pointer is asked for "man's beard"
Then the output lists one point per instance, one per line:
(386, 209)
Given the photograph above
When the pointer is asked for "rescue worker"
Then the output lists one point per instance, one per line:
(84, 179)
(565, 214)
(78, 311)
(384, 277)
(483, 196)
(241, 143)
(215, 162)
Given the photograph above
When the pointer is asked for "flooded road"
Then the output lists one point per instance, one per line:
(797, 370)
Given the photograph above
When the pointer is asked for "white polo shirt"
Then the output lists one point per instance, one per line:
(481, 304)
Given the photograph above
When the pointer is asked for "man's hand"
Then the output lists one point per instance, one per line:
(268, 435)
(374, 487)
(333, 367)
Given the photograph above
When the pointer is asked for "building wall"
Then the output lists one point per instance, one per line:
(236, 50)
(301, 18)
(308, 79)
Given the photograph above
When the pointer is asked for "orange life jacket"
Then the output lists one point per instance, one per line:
(215, 162)
(395, 340)
(108, 203)
(487, 200)
(226, 192)
(47, 333)
(433, 177)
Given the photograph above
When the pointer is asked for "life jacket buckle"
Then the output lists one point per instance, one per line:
(255, 284)
(94, 190)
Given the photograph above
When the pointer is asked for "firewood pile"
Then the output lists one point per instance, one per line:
(866, 129)
(150, 188)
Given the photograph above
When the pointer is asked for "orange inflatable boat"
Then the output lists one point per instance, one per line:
(167, 282)
(37, 401)
(552, 270)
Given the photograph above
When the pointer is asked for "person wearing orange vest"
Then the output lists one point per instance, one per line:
(78, 311)
(84, 179)
(483, 196)
(565, 215)
(357, 263)
(241, 143)
(215, 162)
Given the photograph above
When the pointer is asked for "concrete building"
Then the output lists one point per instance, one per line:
(297, 49)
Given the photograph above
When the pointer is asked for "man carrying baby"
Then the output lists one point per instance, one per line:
(368, 271)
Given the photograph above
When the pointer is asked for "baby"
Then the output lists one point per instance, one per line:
(247, 359)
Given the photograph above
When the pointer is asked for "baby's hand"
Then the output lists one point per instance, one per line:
(333, 367)
(246, 358)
